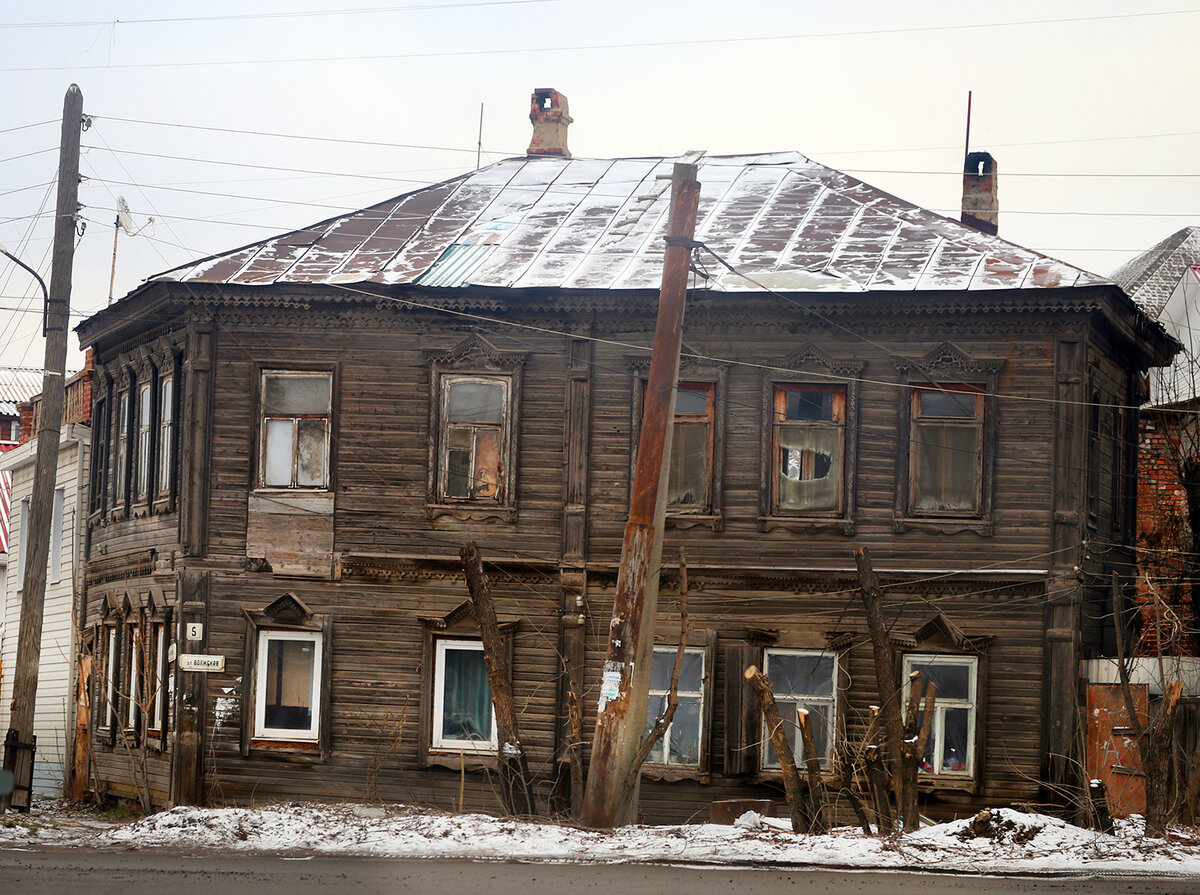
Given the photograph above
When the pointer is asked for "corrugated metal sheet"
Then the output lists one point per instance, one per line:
(597, 224)
(18, 384)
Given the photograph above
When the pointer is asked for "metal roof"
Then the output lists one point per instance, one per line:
(1152, 276)
(573, 223)
(18, 384)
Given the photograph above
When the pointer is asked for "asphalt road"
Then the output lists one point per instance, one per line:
(87, 872)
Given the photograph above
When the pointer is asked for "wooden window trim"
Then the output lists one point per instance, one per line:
(967, 782)
(696, 374)
(314, 751)
(165, 498)
(834, 702)
(260, 416)
(949, 367)
(437, 701)
(474, 358)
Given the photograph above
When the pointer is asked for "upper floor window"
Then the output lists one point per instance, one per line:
(808, 447)
(100, 444)
(295, 430)
(689, 487)
(166, 432)
(144, 429)
(473, 438)
(121, 481)
(946, 451)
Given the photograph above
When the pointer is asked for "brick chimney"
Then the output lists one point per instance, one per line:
(548, 112)
(980, 205)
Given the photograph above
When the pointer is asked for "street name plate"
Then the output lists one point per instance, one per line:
(193, 662)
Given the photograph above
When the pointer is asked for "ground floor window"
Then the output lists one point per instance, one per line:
(802, 679)
(681, 744)
(951, 746)
(463, 716)
(288, 685)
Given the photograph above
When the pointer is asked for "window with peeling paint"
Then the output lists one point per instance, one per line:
(680, 744)
(802, 680)
(295, 430)
(946, 456)
(808, 439)
(474, 413)
(950, 748)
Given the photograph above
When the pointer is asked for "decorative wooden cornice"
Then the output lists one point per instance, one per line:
(948, 358)
(475, 348)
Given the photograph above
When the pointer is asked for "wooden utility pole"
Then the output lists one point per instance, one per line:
(621, 715)
(515, 790)
(19, 744)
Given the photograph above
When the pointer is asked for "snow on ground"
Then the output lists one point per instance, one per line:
(1011, 842)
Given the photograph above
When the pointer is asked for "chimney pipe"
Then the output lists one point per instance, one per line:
(548, 113)
(980, 205)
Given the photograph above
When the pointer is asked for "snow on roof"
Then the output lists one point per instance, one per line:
(577, 223)
(1152, 276)
(18, 384)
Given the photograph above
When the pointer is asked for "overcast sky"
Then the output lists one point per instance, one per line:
(205, 117)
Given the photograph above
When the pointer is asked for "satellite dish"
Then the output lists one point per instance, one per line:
(124, 218)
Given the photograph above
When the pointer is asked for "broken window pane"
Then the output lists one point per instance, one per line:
(278, 453)
(472, 401)
(688, 487)
(810, 468)
(947, 468)
(295, 394)
(287, 699)
(310, 453)
(486, 484)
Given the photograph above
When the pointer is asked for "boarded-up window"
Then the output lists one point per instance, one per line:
(680, 745)
(802, 679)
(295, 430)
(473, 437)
(946, 456)
(951, 746)
(808, 439)
(463, 716)
(287, 692)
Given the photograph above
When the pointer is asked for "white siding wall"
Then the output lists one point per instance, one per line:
(53, 716)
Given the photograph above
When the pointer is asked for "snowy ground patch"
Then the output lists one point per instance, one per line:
(1000, 841)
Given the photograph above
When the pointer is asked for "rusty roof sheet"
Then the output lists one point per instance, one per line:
(780, 219)
(18, 384)
(1151, 277)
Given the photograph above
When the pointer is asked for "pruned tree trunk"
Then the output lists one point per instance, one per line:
(1098, 801)
(783, 748)
(515, 789)
(816, 788)
(885, 676)
(912, 751)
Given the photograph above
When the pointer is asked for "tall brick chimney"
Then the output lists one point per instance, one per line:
(980, 205)
(548, 112)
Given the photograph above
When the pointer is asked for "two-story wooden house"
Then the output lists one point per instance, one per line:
(294, 438)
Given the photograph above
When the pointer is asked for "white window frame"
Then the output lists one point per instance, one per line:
(110, 682)
(133, 670)
(56, 535)
(327, 416)
(942, 703)
(665, 743)
(145, 429)
(158, 636)
(166, 423)
(446, 384)
(441, 645)
(831, 701)
(261, 731)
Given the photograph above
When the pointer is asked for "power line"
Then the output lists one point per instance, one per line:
(712, 41)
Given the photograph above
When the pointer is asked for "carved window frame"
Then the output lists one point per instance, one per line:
(692, 370)
(287, 617)
(809, 366)
(950, 365)
(474, 357)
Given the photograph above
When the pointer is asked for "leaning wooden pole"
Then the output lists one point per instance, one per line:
(19, 743)
(621, 714)
(515, 790)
